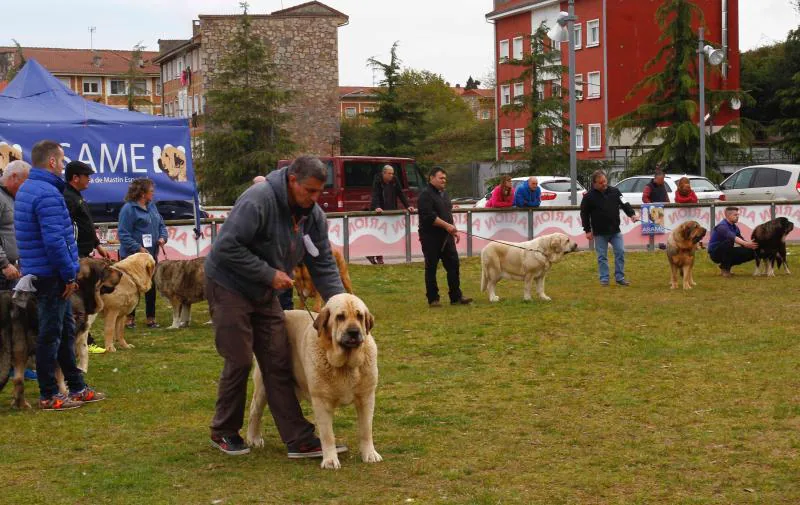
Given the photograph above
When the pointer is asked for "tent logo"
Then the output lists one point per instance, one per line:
(9, 153)
(171, 160)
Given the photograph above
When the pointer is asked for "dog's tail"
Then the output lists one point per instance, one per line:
(484, 274)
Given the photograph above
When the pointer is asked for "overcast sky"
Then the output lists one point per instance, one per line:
(449, 37)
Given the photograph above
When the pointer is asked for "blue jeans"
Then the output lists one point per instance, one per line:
(601, 248)
(56, 343)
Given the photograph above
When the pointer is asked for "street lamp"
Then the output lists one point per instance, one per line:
(715, 57)
(556, 34)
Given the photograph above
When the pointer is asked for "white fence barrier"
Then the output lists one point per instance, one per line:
(394, 234)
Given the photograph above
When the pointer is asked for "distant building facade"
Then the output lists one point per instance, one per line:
(98, 75)
(303, 42)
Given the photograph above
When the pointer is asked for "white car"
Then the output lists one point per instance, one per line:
(632, 188)
(555, 190)
(763, 182)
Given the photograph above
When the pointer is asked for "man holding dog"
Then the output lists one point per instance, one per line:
(271, 228)
(600, 217)
(13, 176)
(439, 237)
(725, 236)
(48, 250)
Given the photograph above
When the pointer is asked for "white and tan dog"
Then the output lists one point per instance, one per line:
(335, 362)
(523, 261)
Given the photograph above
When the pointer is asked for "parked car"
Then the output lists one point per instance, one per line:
(169, 210)
(350, 178)
(555, 190)
(632, 187)
(763, 182)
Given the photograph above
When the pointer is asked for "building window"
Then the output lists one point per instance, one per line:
(518, 48)
(578, 36)
(203, 104)
(595, 137)
(158, 88)
(540, 91)
(555, 89)
(349, 112)
(593, 33)
(579, 138)
(519, 138)
(140, 87)
(91, 86)
(503, 51)
(593, 79)
(557, 135)
(486, 115)
(505, 94)
(578, 86)
(505, 140)
(117, 87)
(519, 92)
(197, 104)
(368, 110)
(66, 81)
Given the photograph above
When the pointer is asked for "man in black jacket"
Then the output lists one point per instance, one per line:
(386, 190)
(439, 236)
(77, 175)
(600, 217)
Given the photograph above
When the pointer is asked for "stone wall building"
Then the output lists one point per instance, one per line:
(303, 42)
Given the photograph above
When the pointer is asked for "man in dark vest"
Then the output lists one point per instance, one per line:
(656, 189)
(439, 236)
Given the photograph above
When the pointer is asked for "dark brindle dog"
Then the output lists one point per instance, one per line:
(19, 322)
(771, 239)
(182, 282)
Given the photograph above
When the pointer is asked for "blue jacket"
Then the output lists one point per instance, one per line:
(45, 237)
(524, 197)
(724, 233)
(135, 221)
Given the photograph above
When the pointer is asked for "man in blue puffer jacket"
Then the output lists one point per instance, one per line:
(47, 249)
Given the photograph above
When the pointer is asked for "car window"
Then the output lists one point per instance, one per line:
(329, 181)
(560, 186)
(640, 184)
(362, 173)
(415, 179)
(626, 186)
(701, 185)
(743, 179)
(764, 178)
(782, 177)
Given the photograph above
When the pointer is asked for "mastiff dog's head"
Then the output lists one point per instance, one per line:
(344, 327)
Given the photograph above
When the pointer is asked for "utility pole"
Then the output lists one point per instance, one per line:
(92, 29)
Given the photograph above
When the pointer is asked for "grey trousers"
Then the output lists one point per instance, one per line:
(244, 328)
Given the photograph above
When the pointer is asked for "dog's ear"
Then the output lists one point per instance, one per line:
(369, 322)
(323, 332)
(151, 267)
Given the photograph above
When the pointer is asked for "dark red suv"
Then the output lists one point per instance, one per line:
(350, 178)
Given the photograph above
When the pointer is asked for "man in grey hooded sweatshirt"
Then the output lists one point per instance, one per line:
(272, 227)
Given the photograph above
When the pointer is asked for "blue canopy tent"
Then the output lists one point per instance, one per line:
(120, 145)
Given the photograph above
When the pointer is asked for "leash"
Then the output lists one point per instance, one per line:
(304, 301)
(504, 243)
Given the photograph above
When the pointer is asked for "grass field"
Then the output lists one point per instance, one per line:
(636, 395)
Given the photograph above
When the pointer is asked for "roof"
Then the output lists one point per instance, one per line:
(357, 91)
(484, 93)
(513, 9)
(308, 9)
(81, 61)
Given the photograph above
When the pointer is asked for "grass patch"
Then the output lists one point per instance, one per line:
(636, 395)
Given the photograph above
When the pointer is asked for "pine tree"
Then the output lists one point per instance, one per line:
(395, 123)
(472, 84)
(18, 64)
(665, 124)
(788, 126)
(542, 69)
(244, 129)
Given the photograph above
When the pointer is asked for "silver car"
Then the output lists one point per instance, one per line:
(555, 190)
(763, 182)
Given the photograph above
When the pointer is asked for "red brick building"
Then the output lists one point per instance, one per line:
(97, 75)
(357, 100)
(614, 41)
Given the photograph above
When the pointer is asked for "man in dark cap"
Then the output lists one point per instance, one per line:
(77, 175)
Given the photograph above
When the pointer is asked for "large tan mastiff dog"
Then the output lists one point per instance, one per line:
(523, 261)
(335, 362)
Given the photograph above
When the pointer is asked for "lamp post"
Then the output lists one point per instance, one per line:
(556, 34)
(715, 57)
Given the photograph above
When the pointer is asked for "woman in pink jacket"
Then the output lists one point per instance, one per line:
(503, 194)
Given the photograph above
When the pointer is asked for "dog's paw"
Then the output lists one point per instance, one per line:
(545, 298)
(371, 456)
(111, 348)
(127, 346)
(494, 298)
(673, 286)
(255, 441)
(330, 464)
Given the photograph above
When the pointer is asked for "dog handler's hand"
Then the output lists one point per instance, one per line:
(282, 281)
(589, 235)
(10, 272)
(70, 288)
